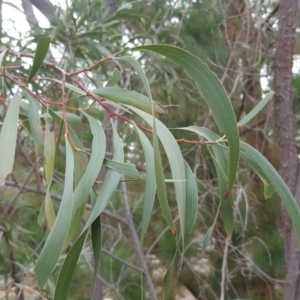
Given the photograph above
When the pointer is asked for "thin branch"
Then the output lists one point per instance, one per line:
(136, 243)
(8, 208)
(224, 267)
(30, 189)
(124, 262)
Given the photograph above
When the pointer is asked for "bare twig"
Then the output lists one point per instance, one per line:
(224, 267)
(136, 243)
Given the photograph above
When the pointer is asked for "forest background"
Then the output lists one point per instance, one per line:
(251, 47)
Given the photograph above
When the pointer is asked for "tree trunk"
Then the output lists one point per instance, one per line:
(286, 132)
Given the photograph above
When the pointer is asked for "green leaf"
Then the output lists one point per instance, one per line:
(220, 158)
(256, 109)
(170, 279)
(123, 168)
(32, 109)
(40, 54)
(150, 188)
(96, 160)
(191, 199)
(49, 152)
(110, 182)
(55, 241)
(218, 146)
(49, 210)
(72, 119)
(89, 177)
(133, 62)
(2, 56)
(8, 138)
(215, 96)
(126, 5)
(207, 237)
(70, 86)
(265, 170)
(226, 204)
(124, 96)
(160, 182)
(66, 273)
(115, 78)
(175, 160)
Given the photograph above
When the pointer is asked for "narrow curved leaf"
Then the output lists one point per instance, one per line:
(207, 237)
(191, 199)
(220, 158)
(215, 96)
(2, 56)
(89, 176)
(96, 160)
(265, 170)
(115, 78)
(256, 109)
(124, 96)
(72, 119)
(66, 273)
(170, 279)
(55, 241)
(133, 62)
(226, 204)
(175, 160)
(39, 56)
(110, 182)
(49, 153)
(160, 183)
(150, 188)
(123, 168)
(8, 138)
(32, 109)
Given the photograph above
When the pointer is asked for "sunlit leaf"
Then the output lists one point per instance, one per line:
(2, 56)
(8, 138)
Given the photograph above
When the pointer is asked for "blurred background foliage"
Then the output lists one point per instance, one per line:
(236, 39)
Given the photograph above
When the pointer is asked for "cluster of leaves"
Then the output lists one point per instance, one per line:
(87, 35)
(82, 168)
